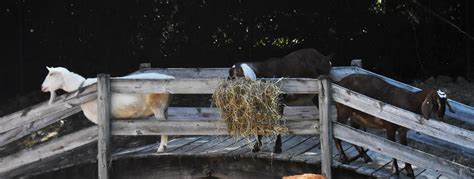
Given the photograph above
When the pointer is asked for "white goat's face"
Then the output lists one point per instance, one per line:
(53, 81)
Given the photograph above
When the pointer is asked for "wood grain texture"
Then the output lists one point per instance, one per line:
(203, 85)
(103, 105)
(210, 127)
(29, 120)
(403, 117)
(401, 152)
(43, 151)
(325, 126)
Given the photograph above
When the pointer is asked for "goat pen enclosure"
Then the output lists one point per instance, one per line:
(184, 121)
(204, 121)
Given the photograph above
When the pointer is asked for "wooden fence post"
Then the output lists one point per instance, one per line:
(103, 99)
(325, 125)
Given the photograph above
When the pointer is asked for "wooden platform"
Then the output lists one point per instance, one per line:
(297, 148)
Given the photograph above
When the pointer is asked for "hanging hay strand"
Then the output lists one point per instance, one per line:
(249, 107)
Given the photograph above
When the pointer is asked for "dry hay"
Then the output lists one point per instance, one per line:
(249, 107)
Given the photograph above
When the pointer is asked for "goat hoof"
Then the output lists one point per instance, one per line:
(344, 160)
(277, 150)
(367, 159)
(255, 150)
(161, 149)
(410, 173)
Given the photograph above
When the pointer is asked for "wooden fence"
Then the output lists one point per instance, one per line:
(204, 121)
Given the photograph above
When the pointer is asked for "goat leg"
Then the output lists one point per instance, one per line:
(342, 154)
(258, 143)
(362, 153)
(403, 140)
(277, 147)
(391, 136)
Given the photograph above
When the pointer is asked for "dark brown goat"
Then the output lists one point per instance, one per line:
(425, 102)
(304, 63)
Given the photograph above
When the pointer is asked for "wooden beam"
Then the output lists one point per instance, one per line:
(202, 85)
(189, 72)
(61, 145)
(325, 125)
(103, 108)
(203, 113)
(26, 129)
(403, 117)
(29, 120)
(401, 152)
(209, 127)
(43, 110)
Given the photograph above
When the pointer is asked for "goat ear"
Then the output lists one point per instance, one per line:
(427, 107)
(48, 68)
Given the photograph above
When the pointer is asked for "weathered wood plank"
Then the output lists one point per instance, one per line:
(216, 148)
(227, 146)
(403, 117)
(312, 152)
(103, 108)
(266, 151)
(403, 153)
(29, 120)
(202, 113)
(168, 127)
(211, 127)
(43, 110)
(298, 149)
(26, 129)
(267, 146)
(176, 144)
(43, 151)
(190, 72)
(326, 126)
(244, 143)
(216, 140)
(203, 85)
(202, 141)
(428, 174)
(378, 161)
(247, 149)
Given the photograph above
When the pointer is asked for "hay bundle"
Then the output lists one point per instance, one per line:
(249, 107)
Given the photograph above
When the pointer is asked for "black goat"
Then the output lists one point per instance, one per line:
(304, 63)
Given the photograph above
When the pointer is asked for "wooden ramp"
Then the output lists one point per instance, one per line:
(296, 148)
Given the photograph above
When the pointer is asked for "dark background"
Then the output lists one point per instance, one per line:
(401, 39)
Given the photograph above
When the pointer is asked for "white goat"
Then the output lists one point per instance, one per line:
(122, 105)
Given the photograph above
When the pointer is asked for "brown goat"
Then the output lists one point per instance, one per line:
(425, 102)
(304, 63)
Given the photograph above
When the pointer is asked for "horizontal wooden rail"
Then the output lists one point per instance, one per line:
(401, 152)
(201, 113)
(211, 127)
(202, 85)
(47, 150)
(189, 72)
(403, 117)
